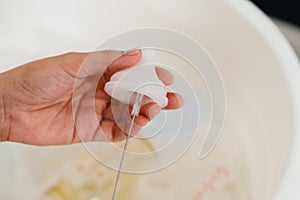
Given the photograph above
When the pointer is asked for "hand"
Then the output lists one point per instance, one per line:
(36, 98)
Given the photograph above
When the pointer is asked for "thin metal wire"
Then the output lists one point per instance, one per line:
(136, 110)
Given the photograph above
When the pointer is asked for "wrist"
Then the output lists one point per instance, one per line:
(4, 114)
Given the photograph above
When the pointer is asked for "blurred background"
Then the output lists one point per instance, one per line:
(286, 14)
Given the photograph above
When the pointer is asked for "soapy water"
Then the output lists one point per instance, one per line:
(220, 177)
(224, 175)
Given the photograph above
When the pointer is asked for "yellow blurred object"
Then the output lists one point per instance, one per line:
(87, 178)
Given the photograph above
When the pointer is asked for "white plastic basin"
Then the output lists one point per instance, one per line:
(260, 72)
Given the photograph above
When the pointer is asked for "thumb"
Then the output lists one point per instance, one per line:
(94, 63)
(127, 60)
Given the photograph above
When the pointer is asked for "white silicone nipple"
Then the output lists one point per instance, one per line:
(141, 78)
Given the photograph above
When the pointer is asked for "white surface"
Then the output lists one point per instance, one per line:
(289, 188)
(260, 72)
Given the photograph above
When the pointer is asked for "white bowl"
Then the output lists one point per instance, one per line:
(259, 69)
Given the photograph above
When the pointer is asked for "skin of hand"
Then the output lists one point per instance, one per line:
(36, 98)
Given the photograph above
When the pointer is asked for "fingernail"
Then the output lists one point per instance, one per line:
(154, 111)
(132, 52)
